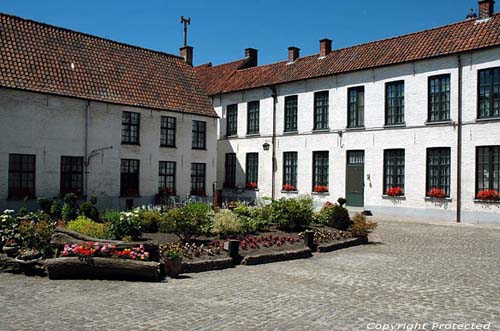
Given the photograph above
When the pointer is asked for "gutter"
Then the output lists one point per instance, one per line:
(274, 95)
(459, 142)
(86, 163)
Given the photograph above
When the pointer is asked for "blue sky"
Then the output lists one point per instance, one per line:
(222, 29)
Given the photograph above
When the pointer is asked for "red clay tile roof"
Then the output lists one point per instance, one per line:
(451, 39)
(39, 57)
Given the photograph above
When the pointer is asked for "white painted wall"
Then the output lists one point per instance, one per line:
(53, 126)
(415, 137)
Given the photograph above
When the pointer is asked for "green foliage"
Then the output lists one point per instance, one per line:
(44, 204)
(88, 227)
(253, 219)
(9, 227)
(69, 209)
(150, 220)
(110, 216)
(127, 225)
(88, 209)
(335, 216)
(56, 208)
(36, 230)
(361, 227)
(187, 222)
(292, 214)
(341, 201)
(172, 254)
(226, 223)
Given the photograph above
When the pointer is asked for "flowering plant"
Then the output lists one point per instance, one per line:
(251, 185)
(250, 242)
(394, 191)
(89, 250)
(320, 188)
(488, 195)
(289, 187)
(436, 193)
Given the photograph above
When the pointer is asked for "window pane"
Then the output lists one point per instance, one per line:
(21, 176)
(71, 175)
(129, 177)
(321, 110)
(230, 170)
(394, 103)
(394, 169)
(439, 98)
(166, 173)
(253, 111)
(199, 135)
(232, 120)
(320, 169)
(290, 169)
(198, 171)
(252, 168)
(168, 128)
(438, 169)
(356, 107)
(291, 113)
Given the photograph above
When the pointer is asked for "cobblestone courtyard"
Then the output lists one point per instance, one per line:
(420, 273)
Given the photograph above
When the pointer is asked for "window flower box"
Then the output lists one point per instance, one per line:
(436, 193)
(488, 196)
(320, 189)
(289, 188)
(199, 193)
(394, 192)
(251, 185)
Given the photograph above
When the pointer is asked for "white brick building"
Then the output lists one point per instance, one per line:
(87, 115)
(416, 95)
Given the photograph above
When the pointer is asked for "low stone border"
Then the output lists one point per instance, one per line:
(15, 266)
(208, 265)
(330, 247)
(277, 256)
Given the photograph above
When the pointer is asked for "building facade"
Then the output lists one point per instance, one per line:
(417, 116)
(94, 117)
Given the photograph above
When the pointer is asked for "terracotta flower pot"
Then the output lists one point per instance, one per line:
(173, 267)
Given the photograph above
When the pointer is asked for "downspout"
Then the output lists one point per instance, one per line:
(459, 142)
(274, 95)
(86, 159)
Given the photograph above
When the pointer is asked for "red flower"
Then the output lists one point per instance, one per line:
(251, 185)
(320, 188)
(394, 191)
(488, 195)
(436, 193)
(289, 187)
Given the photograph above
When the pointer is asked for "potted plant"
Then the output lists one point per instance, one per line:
(289, 187)
(251, 185)
(173, 262)
(320, 189)
(488, 195)
(394, 191)
(11, 248)
(436, 193)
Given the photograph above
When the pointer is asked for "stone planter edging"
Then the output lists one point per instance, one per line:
(208, 265)
(302, 253)
(330, 247)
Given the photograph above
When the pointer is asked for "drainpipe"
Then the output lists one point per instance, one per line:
(459, 142)
(274, 95)
(85, 160)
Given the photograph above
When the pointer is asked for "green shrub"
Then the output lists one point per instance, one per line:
(44, 204)
(110, 216)
(150, 220)
(56, 208)
(292, 214)
(88, 227)
(187, 222)
(88, 209)
(69, 209)
(361, 227)
(128, 226)
(335, 216)
(226, 223)
(9, 227)
(36, 231)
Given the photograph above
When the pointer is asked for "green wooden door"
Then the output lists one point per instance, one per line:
(355, 181)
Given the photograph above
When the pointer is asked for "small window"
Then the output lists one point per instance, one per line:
(290, 171)
(230, 170)
(198, 173)
(199, 135)
(439, 98)
(438, 169)
(395, 103)
(168, 128)
(253, 110)
(489, 93)
(21, 176)
(321, 110)
(232, 120)
(252, 170)
(291, 113)
(130, 127)
(71, 175)
(166, 174)
(487, 168)
(394, 169)
(356, 107)
(129, 179)
(320, 171)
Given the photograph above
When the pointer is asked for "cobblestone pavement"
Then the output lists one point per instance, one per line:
(420, 273)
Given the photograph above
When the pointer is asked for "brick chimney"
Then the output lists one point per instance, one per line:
(325, 47)
(186, 52)
(293, 53)
(252, 57)
(486, 8)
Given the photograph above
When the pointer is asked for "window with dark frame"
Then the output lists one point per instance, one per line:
(438, 169)
(439, 98)
(320, 169)
(489, 93)
(130, 127)
(356, 107)
(291, 113)
(487, 168)
(129, 178)
(321, 110)
(395, 103)
(232, 120)
(21, 176)
(290, 169)
(198, 173)
(230, 170)
(168, 131)
(253, 114)
(166, 177)
(199, 135)
(71, 175)
(252, 169)
(394, 169)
